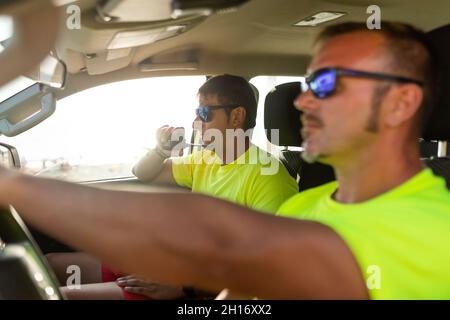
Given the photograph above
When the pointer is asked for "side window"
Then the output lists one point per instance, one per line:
(101, 132)
(265, 84)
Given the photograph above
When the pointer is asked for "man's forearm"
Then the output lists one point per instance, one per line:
(190, 239)
(149, 166)
(164, 236)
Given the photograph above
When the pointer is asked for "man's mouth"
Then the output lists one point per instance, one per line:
(311, 126)
(311, 122)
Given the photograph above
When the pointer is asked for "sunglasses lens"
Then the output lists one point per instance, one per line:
(204, 114)
(323, 83)
(304, 86)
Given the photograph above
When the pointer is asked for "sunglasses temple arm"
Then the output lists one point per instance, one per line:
(377, 76)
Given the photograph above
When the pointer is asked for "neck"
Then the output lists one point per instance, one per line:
(371, 174)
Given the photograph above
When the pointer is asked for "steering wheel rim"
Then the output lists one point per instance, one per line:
(26, 273)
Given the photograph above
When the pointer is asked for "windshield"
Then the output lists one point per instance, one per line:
(15, 86)
(6, 30)
(99, 133)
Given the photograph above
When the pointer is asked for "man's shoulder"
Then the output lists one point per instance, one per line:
(266, 166)
(307, 198)
(425, 189)
(261, 153)
(259, 158)
(196, 157)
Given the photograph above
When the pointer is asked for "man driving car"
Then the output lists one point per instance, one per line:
(380, 232)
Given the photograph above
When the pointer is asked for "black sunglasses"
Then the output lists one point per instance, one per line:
(205, 113)
(322, 82)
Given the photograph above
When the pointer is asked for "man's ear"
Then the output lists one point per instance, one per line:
(238, 116)
(405, 101)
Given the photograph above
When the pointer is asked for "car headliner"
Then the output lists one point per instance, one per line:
(257, 39)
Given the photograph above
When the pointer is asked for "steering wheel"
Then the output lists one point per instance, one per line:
(24, 272)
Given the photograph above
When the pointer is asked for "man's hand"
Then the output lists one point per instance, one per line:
(155, 166)
(168, 137)
(133, 284)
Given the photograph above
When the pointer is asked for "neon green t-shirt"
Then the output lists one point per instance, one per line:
(255, 179)
(400, 239)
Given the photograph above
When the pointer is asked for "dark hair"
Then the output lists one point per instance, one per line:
(410, 51)
(232, 89)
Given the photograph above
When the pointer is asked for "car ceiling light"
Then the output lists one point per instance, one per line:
(133, 10)
(128, 39)
(319, 18)
(60, 3)
(118, 54)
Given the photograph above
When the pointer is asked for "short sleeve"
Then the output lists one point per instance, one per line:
(183, 170)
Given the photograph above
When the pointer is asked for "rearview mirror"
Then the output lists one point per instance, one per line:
(9, 156)
(51, 72)
(26, 109)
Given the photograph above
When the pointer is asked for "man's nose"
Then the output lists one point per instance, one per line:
(306, 101)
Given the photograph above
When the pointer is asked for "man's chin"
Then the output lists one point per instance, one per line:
(308, 154)
(312, 158)
(309, 157)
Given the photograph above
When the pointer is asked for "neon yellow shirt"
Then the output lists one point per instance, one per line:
(400, 239)
(255, 179)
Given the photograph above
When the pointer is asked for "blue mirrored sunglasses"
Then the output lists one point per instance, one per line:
(205, 113)
(323, 82)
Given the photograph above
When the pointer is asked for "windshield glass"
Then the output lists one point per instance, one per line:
(14, 86)
(6, 30)
(99, 133)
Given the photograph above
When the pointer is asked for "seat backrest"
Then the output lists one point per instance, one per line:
(440, 167)
(292, 162)
(428, 149)
(429, 153)
(281, 115)
(438, 126)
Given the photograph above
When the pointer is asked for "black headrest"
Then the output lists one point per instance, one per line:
(280, 113)
(438, 127)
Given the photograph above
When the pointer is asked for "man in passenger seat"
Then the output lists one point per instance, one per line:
(230, 167)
